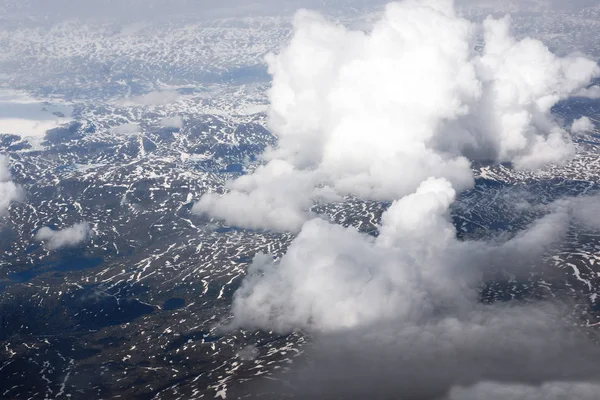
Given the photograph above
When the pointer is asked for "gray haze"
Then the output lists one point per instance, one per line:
(161, 10)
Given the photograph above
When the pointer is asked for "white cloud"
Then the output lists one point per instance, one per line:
(374, 114)
(403, 132)
(68, 237)
(581, 125)
(172, 122)
(398, 113)
(521, 81)
(9, 191)
(592, 92)
(276, 195)
(127, 129)
(334, 278)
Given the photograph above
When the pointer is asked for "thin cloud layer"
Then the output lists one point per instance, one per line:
(161, 10)
(586, 211)
(165, 10)
(375, 114)
(127, 129)
(547, 391)
(155, 98)
(521, 348)
(172, 122)
(68, 237)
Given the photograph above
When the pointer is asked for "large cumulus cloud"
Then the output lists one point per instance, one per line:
(333, 277)
(373, 114)
(398, 113)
